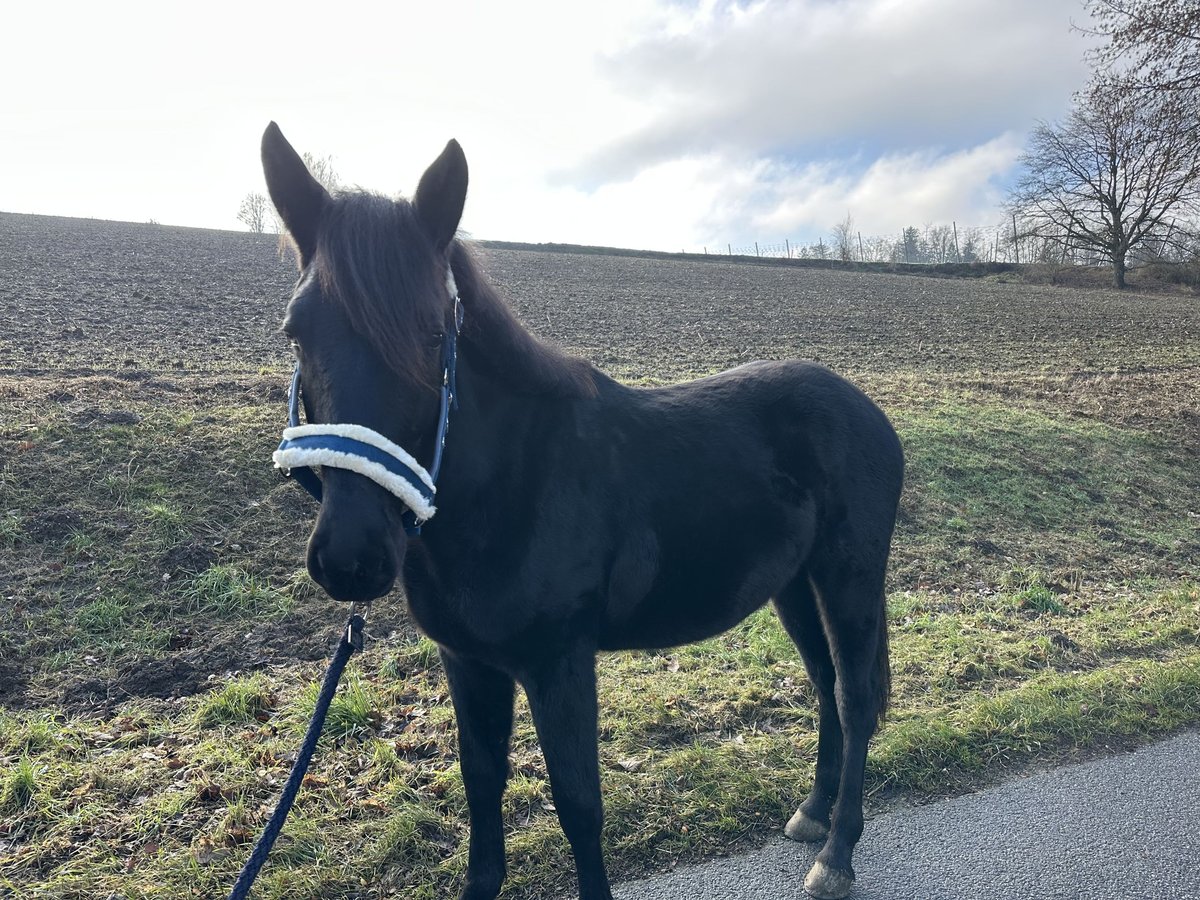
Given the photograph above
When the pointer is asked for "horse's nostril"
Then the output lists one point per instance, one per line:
(350, 576)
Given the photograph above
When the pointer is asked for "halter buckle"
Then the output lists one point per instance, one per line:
(356, 623)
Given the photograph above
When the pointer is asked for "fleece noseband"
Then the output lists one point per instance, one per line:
(367, 452)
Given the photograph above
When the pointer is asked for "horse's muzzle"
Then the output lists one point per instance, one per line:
(358, 543)
(351, 575)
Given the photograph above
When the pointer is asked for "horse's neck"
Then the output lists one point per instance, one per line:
(491, 430)
(514, 395)
(501, 343)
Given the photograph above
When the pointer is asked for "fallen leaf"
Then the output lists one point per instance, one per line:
(209, 792)
(203, 852)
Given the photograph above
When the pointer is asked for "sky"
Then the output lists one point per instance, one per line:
(631, 123)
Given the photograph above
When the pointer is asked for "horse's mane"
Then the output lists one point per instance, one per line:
(375, 260)
(501, 342)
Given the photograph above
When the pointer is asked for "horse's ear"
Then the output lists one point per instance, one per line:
(297, 196)
(441, 195)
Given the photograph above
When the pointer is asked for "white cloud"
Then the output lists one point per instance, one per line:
(632, 123)
(709, 201)
(660, 208)
(818, 77)
(896, 190)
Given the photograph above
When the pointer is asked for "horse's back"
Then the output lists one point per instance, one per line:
(807, 414)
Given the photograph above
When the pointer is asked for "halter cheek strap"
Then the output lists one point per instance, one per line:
(367, 452)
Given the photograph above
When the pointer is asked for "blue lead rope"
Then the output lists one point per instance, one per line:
(352, 640)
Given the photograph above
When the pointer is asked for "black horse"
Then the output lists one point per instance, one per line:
(575, 514)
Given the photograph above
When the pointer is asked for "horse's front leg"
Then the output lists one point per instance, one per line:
(562, 698)
(483, 707)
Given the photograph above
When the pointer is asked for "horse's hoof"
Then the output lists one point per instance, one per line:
(801, 828)
(826, 883)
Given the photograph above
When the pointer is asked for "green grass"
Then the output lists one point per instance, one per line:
(698, 747)
(18, 787)
(1044, 604)
(991, 487)
(229, 590)
(103, 616)
(242, 701)
(123, 538)
(164, 524)
(353, 709)
(11, 532)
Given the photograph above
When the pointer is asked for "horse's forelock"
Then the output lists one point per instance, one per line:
(374, 260)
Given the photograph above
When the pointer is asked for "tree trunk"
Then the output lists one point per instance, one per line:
(1119, 269)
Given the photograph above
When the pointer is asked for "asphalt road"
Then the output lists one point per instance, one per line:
(1125, 826)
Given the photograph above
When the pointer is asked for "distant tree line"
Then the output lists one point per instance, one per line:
(927, 245)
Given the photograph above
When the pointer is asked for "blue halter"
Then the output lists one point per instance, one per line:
(376, 456)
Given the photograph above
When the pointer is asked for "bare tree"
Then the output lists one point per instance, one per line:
(910, 248)
(1158, 41)
(973, 245)
(939, 243)
(322, 169)
(819, 250)
(877, 249)
(843, 239)
(253, 212)
(1111, 176)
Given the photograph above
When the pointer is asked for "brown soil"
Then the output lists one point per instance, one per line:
(139, 302)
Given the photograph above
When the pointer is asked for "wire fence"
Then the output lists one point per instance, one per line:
(1013, 242)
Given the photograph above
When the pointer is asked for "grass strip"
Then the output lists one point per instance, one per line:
(702, 748)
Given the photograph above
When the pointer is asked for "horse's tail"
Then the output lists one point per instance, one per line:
(883, 664)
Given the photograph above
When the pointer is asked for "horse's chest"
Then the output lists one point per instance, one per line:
(493, 626)
(445, 622)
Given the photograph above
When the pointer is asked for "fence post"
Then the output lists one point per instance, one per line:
(1016, 246)
(788, 245)
(957, 255)
(862, 257)
(730, 246)
(756, 248)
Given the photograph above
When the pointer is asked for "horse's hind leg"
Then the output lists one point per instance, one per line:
(562, 699)
(850, 599)
(797, 609)
(483, 708)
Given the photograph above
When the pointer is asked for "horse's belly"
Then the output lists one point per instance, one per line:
(675, 586)
(687, 605)
(667, 621)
